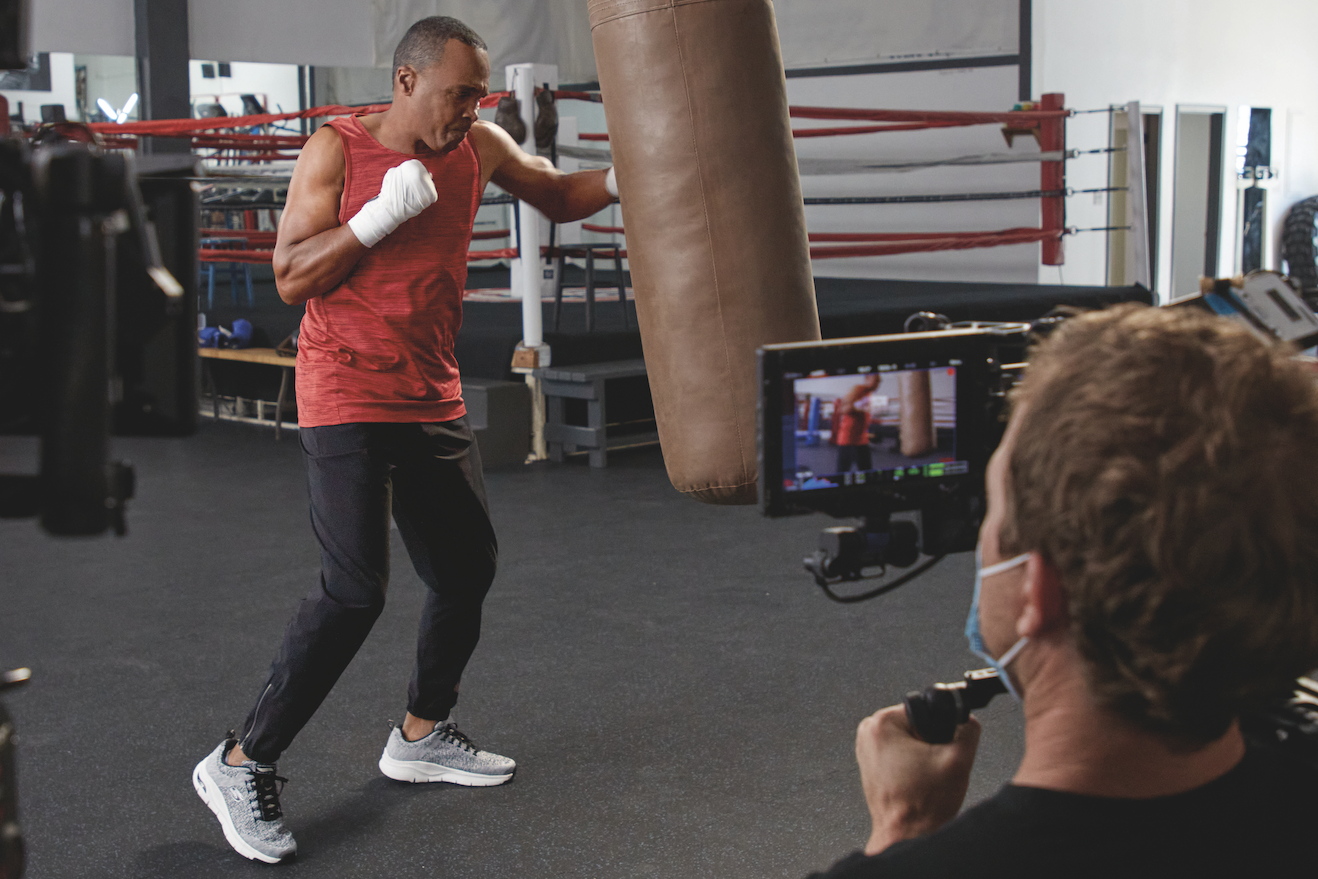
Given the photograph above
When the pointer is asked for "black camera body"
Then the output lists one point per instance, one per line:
(97, 320)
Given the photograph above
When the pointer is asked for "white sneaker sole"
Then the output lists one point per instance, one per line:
(214, 800)
(419, 771)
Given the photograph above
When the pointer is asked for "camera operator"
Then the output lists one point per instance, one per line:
(1148, 574)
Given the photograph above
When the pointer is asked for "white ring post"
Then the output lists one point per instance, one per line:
(527, 266)
(527, 276)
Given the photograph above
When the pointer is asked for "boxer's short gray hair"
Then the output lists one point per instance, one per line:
(424, 42)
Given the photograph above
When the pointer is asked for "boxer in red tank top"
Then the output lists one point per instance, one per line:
(851, 419)
(374, 239)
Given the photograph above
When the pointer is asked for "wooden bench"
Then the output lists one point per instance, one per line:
(499, 412)
(587, 382)
(267, 356)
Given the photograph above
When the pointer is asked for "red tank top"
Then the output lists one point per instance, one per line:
(853, 426)
(379, 347)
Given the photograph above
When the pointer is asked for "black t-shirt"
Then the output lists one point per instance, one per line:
(1260, 819)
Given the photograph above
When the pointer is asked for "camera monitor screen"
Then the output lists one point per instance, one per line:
(880, 421)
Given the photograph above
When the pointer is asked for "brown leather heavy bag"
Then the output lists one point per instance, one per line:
(696, 104)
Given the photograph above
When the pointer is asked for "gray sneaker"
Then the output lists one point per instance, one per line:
(246, 800)
(444, 755)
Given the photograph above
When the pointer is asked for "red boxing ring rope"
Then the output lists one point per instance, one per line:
(887, 244)
(167, 127)
(209, 254)
(176, 127)
(912, 119)
(1048, 123)
(1015, 118)
(930, 242)
(502, 253)
(891, 243)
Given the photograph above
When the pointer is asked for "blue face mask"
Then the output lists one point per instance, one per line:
(976, 638)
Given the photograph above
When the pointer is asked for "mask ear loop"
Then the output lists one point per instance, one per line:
(1005, 659)
(1004, 566)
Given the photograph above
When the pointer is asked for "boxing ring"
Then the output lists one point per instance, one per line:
(233, 144)
(230, 144)
(239, 149)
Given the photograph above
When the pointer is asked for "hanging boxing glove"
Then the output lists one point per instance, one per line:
(546, 119)
(508, 116)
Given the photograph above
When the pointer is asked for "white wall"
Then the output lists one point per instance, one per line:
(113, 77)
(275, 84)
(1170, 52)
(63, 90)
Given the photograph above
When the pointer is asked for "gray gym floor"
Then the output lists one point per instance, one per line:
(680, 698)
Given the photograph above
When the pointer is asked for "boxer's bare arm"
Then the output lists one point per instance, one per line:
(313, 253)
(560, 197)
(860, 391)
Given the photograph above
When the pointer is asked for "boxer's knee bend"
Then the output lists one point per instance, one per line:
(364, 596)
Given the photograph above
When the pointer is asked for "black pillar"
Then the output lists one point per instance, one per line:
(1025, 50)
(162, 68)
(302, 104)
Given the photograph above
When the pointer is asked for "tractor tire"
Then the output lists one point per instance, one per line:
(1300, 249)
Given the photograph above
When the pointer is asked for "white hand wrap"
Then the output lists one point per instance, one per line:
(406, 191)
(611, 183)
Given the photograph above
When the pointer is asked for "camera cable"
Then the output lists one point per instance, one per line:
(882, 588)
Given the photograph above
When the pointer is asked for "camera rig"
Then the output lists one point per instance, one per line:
(878, 426)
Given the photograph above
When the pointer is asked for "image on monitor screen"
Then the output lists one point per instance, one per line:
(874, 424)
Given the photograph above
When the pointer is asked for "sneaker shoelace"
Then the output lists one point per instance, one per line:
(268, 786)
(459, 738)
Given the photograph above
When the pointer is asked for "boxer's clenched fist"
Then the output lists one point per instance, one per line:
(406, 191)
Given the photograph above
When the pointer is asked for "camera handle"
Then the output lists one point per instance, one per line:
(935, 712)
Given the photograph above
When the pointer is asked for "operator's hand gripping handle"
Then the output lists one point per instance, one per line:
(935, 712)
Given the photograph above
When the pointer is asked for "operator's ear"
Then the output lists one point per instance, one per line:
(1043, 605)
